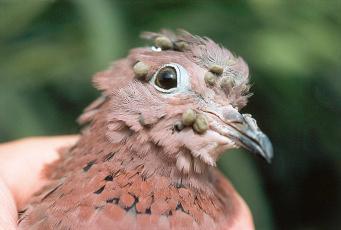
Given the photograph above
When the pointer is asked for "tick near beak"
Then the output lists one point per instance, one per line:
(243, 130)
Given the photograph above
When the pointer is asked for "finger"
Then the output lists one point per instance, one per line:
(8, 211)
(23, 161)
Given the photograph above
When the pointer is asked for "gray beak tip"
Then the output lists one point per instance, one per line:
(266, 147)
(243, 130)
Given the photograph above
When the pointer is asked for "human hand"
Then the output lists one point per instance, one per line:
(21, 172)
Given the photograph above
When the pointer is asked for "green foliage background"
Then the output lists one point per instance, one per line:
(50, 49)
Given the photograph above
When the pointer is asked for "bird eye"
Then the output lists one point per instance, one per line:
(166, 78)
(170, 79)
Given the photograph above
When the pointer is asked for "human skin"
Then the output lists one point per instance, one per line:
(21, 175)
(21, 165)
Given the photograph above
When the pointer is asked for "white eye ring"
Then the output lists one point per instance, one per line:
(156, 49)
(182, 79)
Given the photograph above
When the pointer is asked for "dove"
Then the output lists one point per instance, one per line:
(146, 158)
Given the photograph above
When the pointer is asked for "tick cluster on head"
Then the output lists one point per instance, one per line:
(166, 79)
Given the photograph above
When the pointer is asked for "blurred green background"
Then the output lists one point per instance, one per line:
(50, 49)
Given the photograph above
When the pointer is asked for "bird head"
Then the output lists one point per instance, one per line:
(181, 97)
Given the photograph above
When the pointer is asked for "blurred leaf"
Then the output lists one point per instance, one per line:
(280, 53)
(104, 30)
(15, 16)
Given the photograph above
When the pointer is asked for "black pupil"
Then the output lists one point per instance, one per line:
(166, 78)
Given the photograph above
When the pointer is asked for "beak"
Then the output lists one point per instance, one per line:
(252, 138)
(243, 130)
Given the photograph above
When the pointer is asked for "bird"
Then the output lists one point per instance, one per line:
(146, 158)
